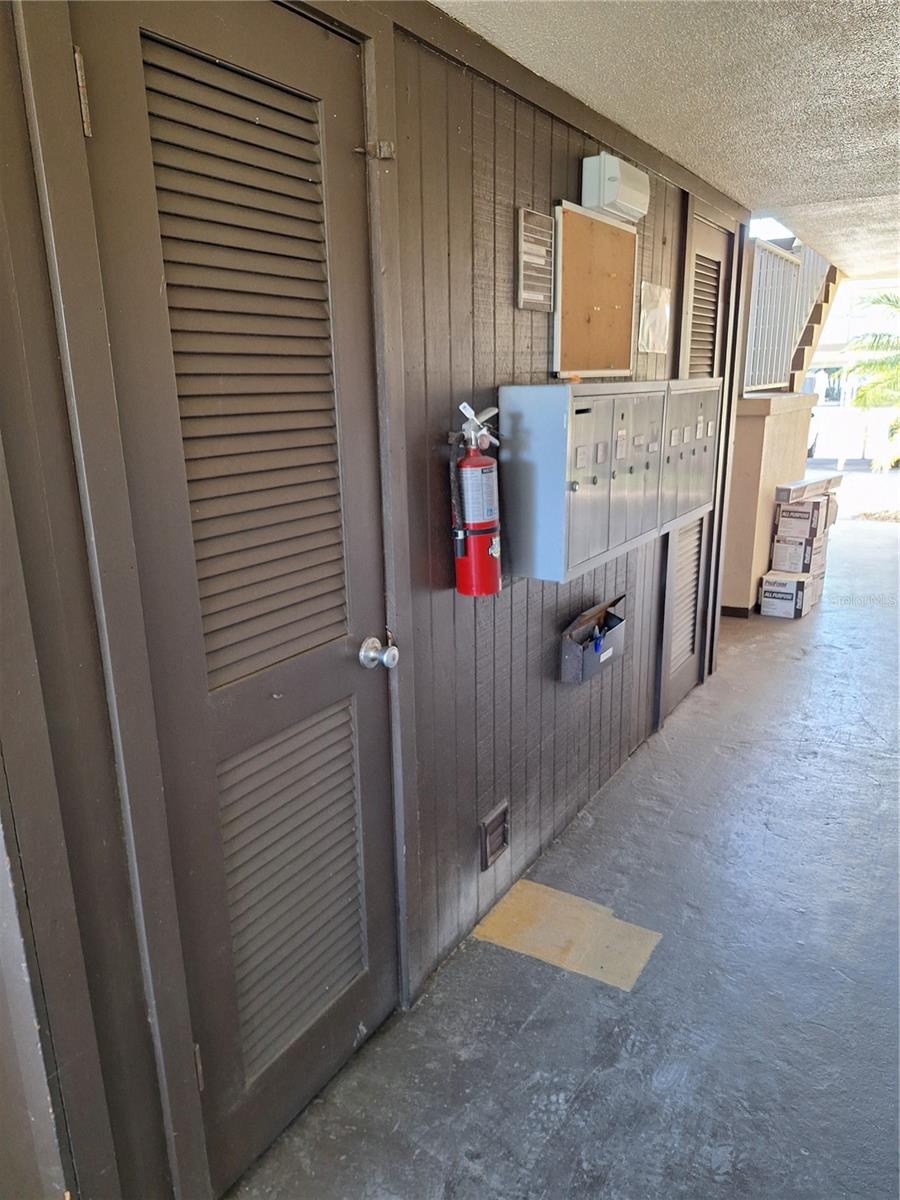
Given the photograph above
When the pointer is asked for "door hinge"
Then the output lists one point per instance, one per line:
(377, 150)
(82, 92)
(198, 1067)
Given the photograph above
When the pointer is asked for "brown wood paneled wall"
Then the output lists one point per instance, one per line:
(492, 723)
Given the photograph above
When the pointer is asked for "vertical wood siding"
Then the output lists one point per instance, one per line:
(492, 723)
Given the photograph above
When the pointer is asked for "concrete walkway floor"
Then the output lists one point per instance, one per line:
(756, 1055)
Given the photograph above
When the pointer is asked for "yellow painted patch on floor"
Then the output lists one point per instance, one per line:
(569, 932)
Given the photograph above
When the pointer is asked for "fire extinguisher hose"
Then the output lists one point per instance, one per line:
(455, 501)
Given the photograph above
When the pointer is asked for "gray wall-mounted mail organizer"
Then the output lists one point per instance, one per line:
(593, 640)
(589, 469)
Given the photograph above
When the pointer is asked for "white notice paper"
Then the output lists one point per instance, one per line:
(656, 309)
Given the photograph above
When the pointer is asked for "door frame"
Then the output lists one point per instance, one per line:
(36, 846)
(44, 40)
(669, 697)
(732, 364)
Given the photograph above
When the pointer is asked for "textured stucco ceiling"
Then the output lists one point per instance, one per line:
(790, 108)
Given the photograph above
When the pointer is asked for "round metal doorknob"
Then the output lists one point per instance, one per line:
(373, 654)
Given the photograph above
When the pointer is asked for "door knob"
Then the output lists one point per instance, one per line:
(373, 654)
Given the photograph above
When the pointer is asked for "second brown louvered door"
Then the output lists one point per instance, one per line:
(685, 600)
(232, 224)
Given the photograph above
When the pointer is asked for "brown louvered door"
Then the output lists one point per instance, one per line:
(685, 591)
(232, 225)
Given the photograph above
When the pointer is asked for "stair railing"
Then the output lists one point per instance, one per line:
(773, 316)
(813, 270)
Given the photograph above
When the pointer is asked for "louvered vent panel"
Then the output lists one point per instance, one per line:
(704, 318)
(239, 194)
(292, 863)
(687, 585)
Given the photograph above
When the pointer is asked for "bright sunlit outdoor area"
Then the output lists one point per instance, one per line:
(855, 372)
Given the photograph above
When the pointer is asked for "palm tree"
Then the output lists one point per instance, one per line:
(882, 369)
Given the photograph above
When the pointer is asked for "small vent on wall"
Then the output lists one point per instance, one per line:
(704, 317)
(535, 274)
(494, 835)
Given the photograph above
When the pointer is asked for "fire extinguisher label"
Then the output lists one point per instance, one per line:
(479, 495)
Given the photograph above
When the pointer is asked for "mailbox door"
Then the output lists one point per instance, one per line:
(600, 477)
(578, 481)
(688, 421)
(618, 491)
(637, 445)
(652, 461)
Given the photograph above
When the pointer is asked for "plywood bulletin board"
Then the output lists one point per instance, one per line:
(595, 271)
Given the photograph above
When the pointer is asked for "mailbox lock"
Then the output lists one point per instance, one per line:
(574, 485)
(631, 469)
(612, 475)
(647, 465)
(595, 479)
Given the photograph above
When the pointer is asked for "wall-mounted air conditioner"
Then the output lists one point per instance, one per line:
(612, 186)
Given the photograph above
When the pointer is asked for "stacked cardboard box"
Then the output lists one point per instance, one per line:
(796, 575)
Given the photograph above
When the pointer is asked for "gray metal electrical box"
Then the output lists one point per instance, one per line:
(580, 472)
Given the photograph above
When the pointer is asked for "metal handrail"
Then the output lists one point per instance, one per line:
(813, 272)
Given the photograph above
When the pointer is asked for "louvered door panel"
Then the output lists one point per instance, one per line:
(291, 837)
(704, 317)
(239, 197)
(688, 543)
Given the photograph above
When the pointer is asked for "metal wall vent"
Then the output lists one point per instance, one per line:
(494, 835)
(535, 274)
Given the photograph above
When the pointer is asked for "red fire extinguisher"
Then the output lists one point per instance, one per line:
(475, 506)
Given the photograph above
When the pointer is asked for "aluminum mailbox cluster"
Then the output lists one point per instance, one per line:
(589, 469)
(689, 454)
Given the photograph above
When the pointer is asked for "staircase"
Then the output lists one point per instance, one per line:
(812, 331)
(791, 290)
